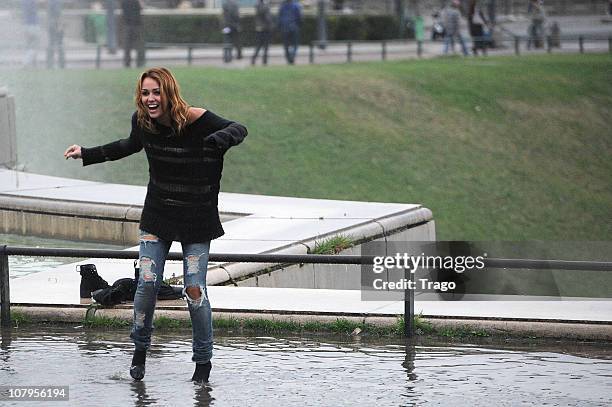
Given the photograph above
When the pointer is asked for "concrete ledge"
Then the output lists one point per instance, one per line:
(217, 275)
(71, 208)
(236, 271)
(392, 224)
(579, 331)
(560, 330)
(112, 223)
(67, 219)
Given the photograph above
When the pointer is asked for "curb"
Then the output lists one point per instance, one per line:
(510, 328)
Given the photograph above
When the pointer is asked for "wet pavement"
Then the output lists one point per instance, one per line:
(309, 371)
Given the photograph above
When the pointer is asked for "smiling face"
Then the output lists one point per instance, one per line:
(153, 101)
(158, 101)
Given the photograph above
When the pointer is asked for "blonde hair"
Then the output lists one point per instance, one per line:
(170, 93)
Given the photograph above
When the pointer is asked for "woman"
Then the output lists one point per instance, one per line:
(184, 147)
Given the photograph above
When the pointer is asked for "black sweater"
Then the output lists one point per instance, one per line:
(184, 175)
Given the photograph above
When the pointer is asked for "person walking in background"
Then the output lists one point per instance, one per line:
(289, 23)
(231, 28)
(185, 147)
(477, 23)
(452, 26)
(55, 34)
(535, 31)
(133, 38)
(29, 9)
(263, 30)
(111, 26)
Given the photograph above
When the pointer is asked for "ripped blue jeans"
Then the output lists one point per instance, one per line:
(153, 252)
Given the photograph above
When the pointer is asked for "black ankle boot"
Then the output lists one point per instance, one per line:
(90, 280)
(137, 370)
(202, 372)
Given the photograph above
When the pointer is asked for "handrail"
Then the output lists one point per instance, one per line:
(5, 251)
(213, 257)
(537, 264)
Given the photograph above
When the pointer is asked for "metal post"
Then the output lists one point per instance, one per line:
(349, 52)
(408, 307)
(548, 44)
(189, 55)
(5, 296)
(98, 56)
(610, 44)
(321, 24)
(581, 44)
(311, 53)
(517, 45)
(384, 50)
(420, 48)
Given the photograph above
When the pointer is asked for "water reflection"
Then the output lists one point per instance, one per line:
(202, 395)
(410, 352)
(141, 396)
(307, 370)
(5, 344)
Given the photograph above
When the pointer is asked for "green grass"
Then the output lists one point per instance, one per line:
(332, 245)
(19, 318)
(504, 148)
(462, 332)
(97, 321)
(255, 326)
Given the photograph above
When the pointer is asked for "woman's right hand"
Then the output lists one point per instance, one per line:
(74, 151)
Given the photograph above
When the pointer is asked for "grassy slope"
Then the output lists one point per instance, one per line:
(498, 148)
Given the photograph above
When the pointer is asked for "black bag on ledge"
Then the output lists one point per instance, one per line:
(124, 289)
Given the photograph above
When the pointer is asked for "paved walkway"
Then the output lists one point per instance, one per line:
(83, 55)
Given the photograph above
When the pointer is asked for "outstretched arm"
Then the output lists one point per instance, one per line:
(107, 152)
(227, 133)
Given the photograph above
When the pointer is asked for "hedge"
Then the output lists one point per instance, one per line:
(207, 29)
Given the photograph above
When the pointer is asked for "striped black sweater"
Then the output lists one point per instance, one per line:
(184, 175)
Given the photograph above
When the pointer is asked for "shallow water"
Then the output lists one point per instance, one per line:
(314, 371)
(20, 266)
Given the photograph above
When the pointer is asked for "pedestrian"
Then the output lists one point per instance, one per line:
(111, 26)
(477, 23)
(55, 34)
(185, 148)
(231, 28)
(289, 23)
(29, 10)
(263, 30)
(452, 27)
(537, 17)
(133, 36)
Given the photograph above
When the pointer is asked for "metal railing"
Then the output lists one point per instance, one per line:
(6, 251)
(383, 48)
(548, 44)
